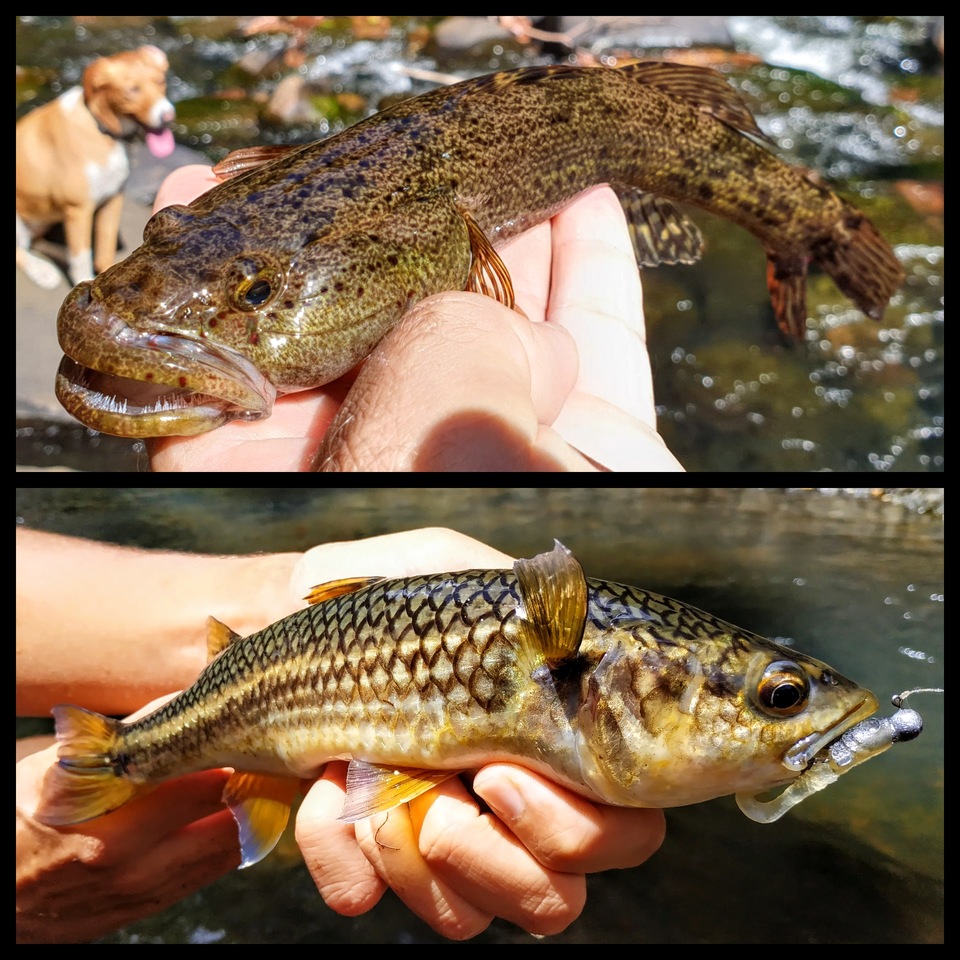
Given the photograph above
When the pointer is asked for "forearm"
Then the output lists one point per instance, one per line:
(112, 627)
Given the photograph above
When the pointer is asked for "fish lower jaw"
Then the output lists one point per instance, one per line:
(136, 408)
(147, 381)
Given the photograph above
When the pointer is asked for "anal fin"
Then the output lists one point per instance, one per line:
(787, 283)
(261, 806)
(660, 231)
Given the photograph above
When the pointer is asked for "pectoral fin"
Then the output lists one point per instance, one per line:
(249, 158)
(488, 274)
(554, 609)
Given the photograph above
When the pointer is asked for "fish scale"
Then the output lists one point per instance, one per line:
(624, 696)
(355, 657)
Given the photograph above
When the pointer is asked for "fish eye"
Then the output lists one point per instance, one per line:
(257, 293)
(784, 689)
(252, 283)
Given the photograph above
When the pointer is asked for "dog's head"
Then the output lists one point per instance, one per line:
(128, 92)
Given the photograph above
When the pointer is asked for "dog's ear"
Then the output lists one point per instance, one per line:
(155, 56)
(98, 78)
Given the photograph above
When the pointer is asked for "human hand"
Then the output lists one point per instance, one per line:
(458, 867)
(81, 882)
(464, 383)
(453, 865)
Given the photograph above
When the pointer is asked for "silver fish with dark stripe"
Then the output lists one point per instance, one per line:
(624, 696)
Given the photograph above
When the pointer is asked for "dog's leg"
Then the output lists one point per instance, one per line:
(107, 226)
(78, 225)
(41, 271)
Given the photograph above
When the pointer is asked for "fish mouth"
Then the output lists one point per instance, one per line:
(803, 752)
(799, 760)
(135, 383)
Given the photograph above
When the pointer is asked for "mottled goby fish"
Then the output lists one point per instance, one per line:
(288, 274)
(624, 696)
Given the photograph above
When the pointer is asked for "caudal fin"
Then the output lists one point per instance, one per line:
(859, 260)
(861, 263)
(87, 780)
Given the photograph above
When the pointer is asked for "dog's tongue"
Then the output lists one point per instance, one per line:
(160, 143)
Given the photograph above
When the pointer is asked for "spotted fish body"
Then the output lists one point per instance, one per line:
(624, 696)
(286, 275)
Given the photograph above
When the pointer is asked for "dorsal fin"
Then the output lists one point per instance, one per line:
(701, 87)
(337, 588)
(219, 637)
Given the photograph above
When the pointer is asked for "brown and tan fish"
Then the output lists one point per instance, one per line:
(624, 696)
(289, 273)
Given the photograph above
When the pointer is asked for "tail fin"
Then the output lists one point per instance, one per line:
(88, 779)
(860, 261)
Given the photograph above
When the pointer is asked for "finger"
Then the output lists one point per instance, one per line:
(564, 831)
(488, 867)
(284, 442)
(89, 896)
(123, 866)
(610, 416)
(390, 844)
(182, 861)
(596, 296)
(184, 185)
(528, 259)
(170, 807)
(461, 384)
(612, 437)
(345, 878)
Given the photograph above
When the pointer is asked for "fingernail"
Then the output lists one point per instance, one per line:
(501, 793)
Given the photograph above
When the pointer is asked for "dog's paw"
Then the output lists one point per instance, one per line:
(42, 272)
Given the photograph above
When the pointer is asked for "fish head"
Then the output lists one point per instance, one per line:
(197, 327)
(243, 296)
(667, 720)
(152, 347)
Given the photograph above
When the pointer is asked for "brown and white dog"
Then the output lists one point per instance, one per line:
(72, 162)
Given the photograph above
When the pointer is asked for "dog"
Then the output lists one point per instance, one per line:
(72, 160)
